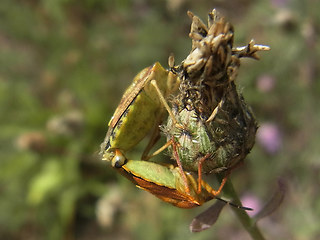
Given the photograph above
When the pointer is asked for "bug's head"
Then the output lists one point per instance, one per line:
(118, 159)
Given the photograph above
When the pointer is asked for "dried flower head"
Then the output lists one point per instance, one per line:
(218, 128)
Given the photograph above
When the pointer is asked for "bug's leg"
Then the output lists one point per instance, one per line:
(183, 174)
(215, 111)
(153, 139)
(211, 190)
(173, 85)
(200, 172)
(163, 147)
(224, 180)
(167, 144)
(163, 101)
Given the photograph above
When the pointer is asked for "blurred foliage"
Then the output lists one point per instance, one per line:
(64, 65)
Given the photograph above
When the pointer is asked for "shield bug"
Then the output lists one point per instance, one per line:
(140, 110)
(166, 183)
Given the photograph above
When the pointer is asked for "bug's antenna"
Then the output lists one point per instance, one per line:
(234, 205)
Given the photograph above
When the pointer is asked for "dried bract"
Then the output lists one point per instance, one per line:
(216, 127)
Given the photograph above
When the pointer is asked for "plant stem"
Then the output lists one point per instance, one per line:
(248, 223)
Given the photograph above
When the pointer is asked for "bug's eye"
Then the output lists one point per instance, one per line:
(118, 160)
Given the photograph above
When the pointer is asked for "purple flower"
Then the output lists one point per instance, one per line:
(265, 83)
(251, 201)
(269, 137)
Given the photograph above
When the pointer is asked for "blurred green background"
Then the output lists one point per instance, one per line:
(64, 65)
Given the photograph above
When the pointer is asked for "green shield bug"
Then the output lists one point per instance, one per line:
(140, 110)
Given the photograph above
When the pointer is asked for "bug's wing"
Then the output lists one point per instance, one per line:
(167, 194)
(159, 180)
(130, 94)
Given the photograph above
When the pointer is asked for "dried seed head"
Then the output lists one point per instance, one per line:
(216, 121)
(212, 63)
(228, 138)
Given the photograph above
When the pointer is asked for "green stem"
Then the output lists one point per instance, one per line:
(248, 223)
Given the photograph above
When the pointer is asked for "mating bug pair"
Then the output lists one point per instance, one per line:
(209, 129)
(139, 112)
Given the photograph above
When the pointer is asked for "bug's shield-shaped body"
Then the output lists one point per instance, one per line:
(165, 182)
(138, 112)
